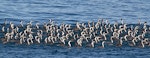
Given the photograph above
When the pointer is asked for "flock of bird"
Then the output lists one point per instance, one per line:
(92, 34)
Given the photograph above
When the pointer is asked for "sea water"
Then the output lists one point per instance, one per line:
(70, 12)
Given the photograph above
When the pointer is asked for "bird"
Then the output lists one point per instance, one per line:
(92, 44)
(3, 29)
(102, 45)
(122, 22)
(142, 45)
(37, 25)
(21, 23)
(69, 43)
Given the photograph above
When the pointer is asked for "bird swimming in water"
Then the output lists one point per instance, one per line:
(82, 34)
